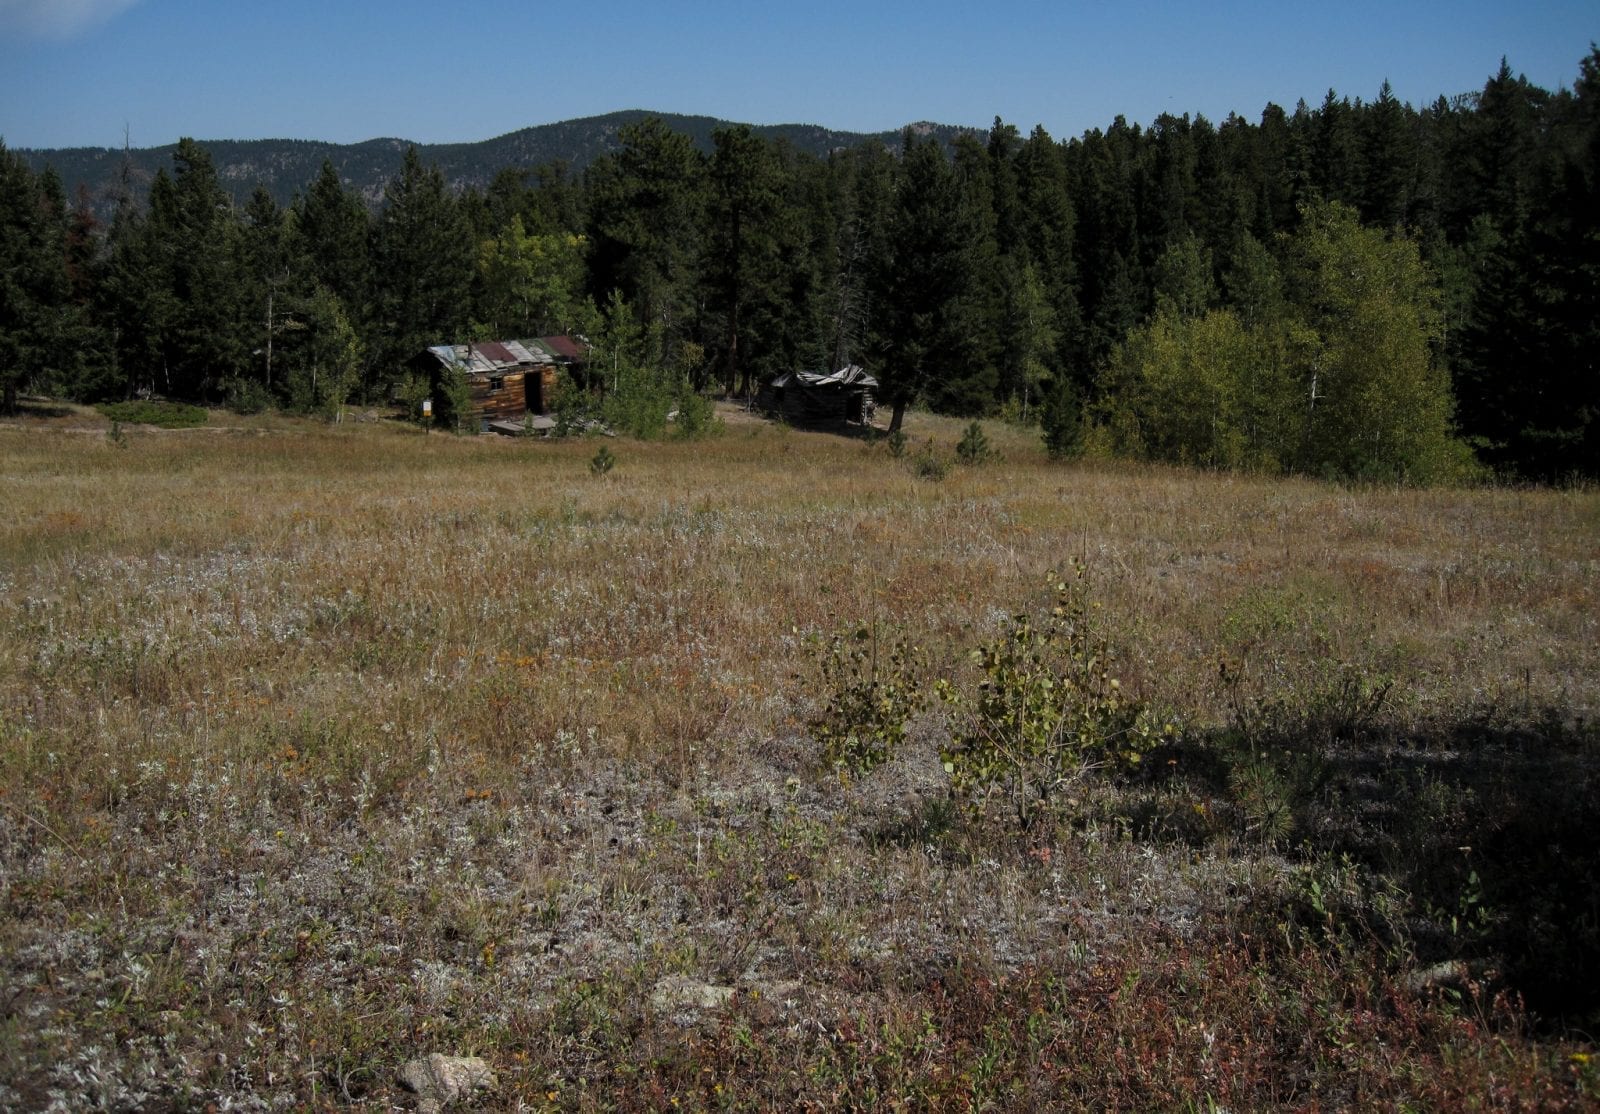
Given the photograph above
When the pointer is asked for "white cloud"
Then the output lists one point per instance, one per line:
(57, 19)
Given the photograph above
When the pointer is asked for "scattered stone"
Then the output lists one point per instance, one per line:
(678, 993)
(440, 1080)
(1452, 972)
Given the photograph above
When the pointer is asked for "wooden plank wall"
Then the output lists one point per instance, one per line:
(509, 401)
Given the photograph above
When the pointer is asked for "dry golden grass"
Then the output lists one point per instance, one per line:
(323, 747)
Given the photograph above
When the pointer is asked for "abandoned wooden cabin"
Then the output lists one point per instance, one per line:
(507, 380)
(819, 398)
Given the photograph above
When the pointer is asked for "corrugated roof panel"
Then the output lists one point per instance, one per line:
(497, 357)
(852, 376)
(495, 352)
(564, 348)
(446, 354)
(520, 354)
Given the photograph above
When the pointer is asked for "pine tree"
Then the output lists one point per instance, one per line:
(992, 279)
(861, 190)
(173, 289)
(265, 268)
(742, 263)
(924, 291)
(1045, 238)
(424, 265)
(1528, 368)
(1389, 162)
(647, 222)
(331, 231)
(1336, 151)
(33, 279)
(209, 343)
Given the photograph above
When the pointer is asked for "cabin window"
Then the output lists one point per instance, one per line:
(496, 382)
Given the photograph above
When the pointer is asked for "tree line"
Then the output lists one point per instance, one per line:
(1360, 288)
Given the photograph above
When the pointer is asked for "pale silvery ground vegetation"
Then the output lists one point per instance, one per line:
(323, 749)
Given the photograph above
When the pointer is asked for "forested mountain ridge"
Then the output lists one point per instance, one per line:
(284, 166)
(1364, 289)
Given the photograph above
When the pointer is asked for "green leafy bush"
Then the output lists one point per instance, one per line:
(453, 402)
(167, 415)
(246, 396)
(413, 391)
(1048, 710)
(697, 414)
(872, 692)
(604, 460)
(639, 407)
(568, 405)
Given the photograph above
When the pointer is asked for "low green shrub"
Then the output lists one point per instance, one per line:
(167, 415)
(1048, 709)
(413, 391)
(872, 691)
(246, 396)
(697, 415)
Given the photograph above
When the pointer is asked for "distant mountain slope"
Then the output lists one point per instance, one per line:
(286, 166)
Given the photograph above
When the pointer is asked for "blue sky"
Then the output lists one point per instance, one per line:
(79, 72)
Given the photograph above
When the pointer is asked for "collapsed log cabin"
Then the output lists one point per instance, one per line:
(820, 398)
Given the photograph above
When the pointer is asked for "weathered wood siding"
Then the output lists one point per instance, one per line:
(497, 397)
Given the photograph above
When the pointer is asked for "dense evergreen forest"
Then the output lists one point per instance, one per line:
(1360, 288)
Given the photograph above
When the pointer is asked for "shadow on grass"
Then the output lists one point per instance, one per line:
(839, 427)
(41, 408)
(1488, 823)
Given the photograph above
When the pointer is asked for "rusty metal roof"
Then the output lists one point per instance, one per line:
(564, 348)
(522, 355)
(494, 352)
(500, 357)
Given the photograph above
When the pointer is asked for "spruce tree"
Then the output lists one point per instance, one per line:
(33, 279)
(424, 265)
(331, 230)
(742, 264)
(924, 290)
(646, 225)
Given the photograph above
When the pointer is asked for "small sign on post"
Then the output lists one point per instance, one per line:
(427, 414)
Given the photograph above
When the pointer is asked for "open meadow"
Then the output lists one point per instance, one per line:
(325, 748)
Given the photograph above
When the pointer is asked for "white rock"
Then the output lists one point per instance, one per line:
(679, 993)
(440, 1080)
